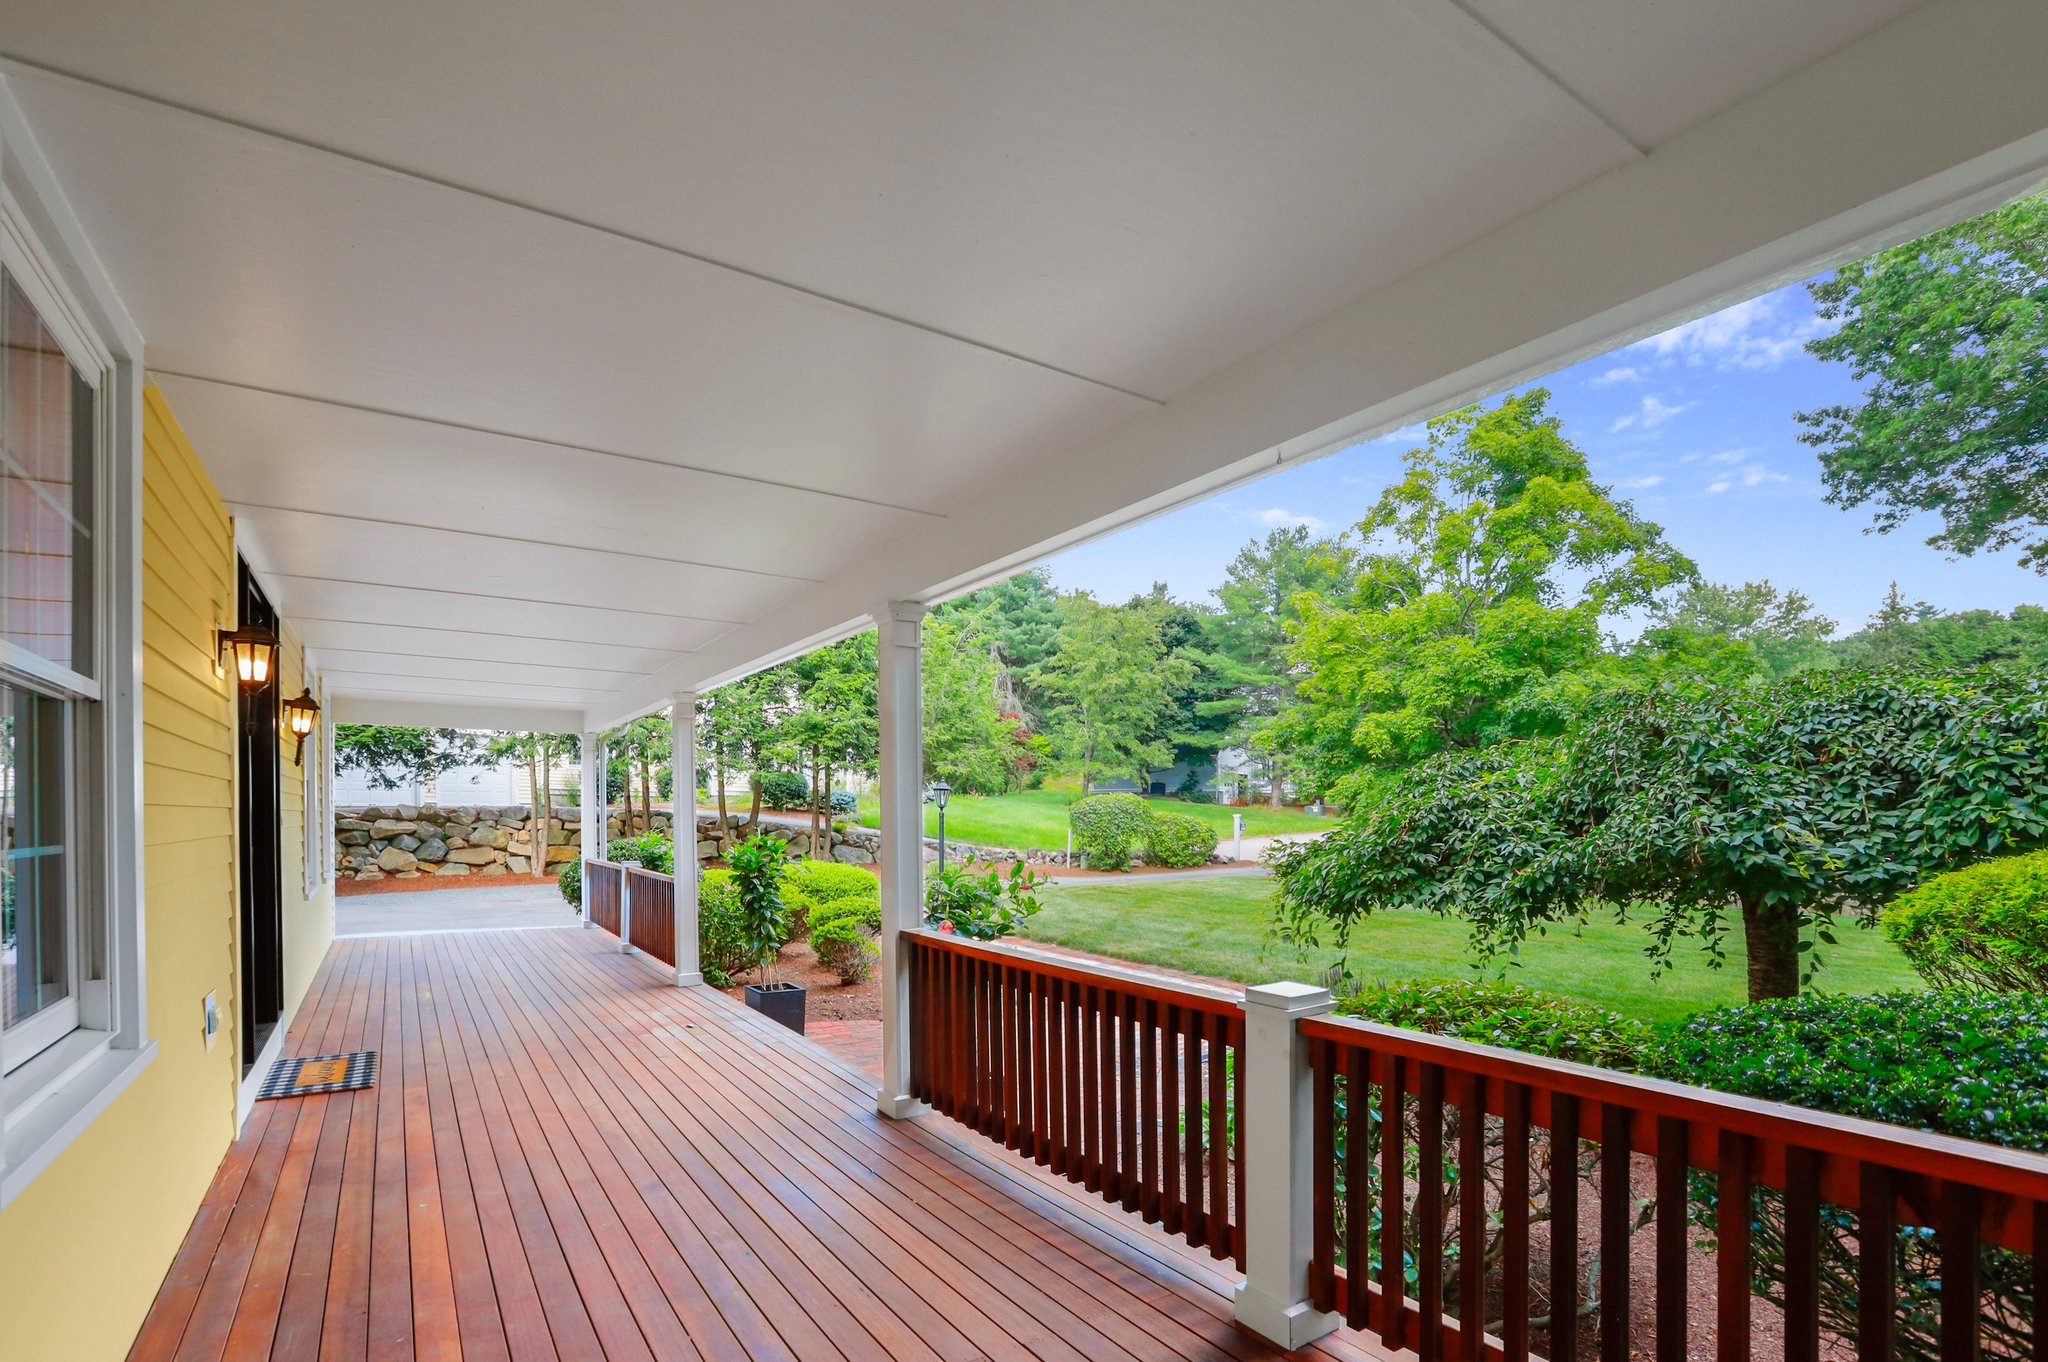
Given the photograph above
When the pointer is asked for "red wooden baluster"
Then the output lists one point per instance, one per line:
(1514, 1263)
(1802, 1255)
(1357, 1182)
(1429, 1211)
(1674, 1162)
(1322, 1281)
(1961, 1291)
(1393, 1202)
(1614, 1231)
(1148, 1083)
(1876, 1291)
(1198, 1207)
(1564, 1227)
(1732, 1213)
(1172, 1142)
(1221, 1234)
(1472, 1218)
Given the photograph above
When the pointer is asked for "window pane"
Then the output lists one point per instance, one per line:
(46, 502)
(35, 969)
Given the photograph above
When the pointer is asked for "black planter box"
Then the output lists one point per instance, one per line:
(779, 1002)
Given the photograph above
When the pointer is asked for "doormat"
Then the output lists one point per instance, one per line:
(321, 1073)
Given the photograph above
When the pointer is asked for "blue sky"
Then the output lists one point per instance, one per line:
(1695, 426)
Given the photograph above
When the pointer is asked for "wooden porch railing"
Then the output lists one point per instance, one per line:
(652, 925)
(1405, 1125)
(1125, 1083)
(603, 881)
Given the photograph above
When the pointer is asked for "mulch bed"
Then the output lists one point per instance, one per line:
(825, 998)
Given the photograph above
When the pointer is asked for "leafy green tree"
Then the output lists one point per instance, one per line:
(1950, 335)
(633, 751)
(1904, 634)
(1475, 596)
(390, 756)
(969, 742)
(1259, 597)
(1781, 630)
(538, 752)
(1017, 621)
(834, 725)
(733, 724)
(1204, 711)
(1112, 683)
(1775, 807)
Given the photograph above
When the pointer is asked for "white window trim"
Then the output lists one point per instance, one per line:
(47, 1101)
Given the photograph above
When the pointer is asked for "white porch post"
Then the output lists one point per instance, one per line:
(1279, 1154)
(682, 827)
(900, 693)
(590, 791)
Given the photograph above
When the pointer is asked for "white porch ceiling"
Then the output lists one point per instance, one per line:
(553, 356)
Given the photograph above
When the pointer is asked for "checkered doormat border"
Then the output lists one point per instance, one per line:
(321, 1073)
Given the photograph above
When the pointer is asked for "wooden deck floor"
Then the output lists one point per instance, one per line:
(564, 1158)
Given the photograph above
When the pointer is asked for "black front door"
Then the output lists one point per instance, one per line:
(262, 883)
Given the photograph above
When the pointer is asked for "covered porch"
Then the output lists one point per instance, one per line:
(564, 1156)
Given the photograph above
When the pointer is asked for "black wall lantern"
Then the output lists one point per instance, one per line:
(299, 716)
(255, 653)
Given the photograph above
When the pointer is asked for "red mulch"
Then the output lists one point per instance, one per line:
(391, 884)
(825, 996)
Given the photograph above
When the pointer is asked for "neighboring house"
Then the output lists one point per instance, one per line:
(1232, 776)
(508, 782)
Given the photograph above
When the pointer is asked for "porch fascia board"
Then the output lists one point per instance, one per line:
(1939, 115)
(370, 709)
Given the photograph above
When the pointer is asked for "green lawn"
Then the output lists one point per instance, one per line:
(1038, 818)
(1217, 927)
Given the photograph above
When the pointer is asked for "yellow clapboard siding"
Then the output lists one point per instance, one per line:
(68, 1289)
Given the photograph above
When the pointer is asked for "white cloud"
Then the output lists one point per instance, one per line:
(1651, 413)
(1643, 483)
(1620, 373)
(1753, 335)
(1719, 485)
(1729, 456)
(1756, 475)
(1274, 517)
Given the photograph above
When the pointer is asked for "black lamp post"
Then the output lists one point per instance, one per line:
(939, 792)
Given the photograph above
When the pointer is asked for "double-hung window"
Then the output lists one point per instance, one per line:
(52, 953)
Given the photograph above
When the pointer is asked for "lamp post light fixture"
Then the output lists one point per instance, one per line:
(255, 653)
(938, 794)
(299, 715)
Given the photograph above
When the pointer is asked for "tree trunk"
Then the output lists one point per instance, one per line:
(754, 813)
(826, 805)
(647, 795)
(1275, 794)
(543, 816)
(817, 761)
(1771, 935)
(718, 769)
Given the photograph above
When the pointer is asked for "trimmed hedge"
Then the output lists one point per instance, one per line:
(1984, 926)
(784, 790)
(1955, 1062)
(1110, 828)
(722, 946)
(843, 934)
(1512, 1017)
(1178, 839)
(825, 881)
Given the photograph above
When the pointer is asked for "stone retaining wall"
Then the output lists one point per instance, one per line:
(408, 841)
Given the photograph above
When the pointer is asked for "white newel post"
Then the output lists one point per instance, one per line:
(588, 786)
(682, 826)
(626, 910)
(1279, 1149)
(900, 692)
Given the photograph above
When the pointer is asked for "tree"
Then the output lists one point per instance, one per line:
(1950, 333)
(539, 752)
(835, 723)
(1017, 621)
(969, 742)
(636, 749)
(733, 723)
(1259, 598)
(1784, 804)
(1204, 711)
(1475, 595)
(1112, 686)
(1781, 629)
(390, 756)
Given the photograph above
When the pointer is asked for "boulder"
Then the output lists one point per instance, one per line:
(517, 813)
(451, 869)
(394, 859)
(350, 825)
(706, 850)
(354, 837)
(470, 856)
(561, 855)
(457, 842)
(520, 865)
(852, 855)
(433, 849)
(559, 838)
(406, 811)
(393, 827)
(405, 841)
(406, 875)
(365, 876)
(491, 870)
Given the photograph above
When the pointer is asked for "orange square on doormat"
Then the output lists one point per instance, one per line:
(321, 1073)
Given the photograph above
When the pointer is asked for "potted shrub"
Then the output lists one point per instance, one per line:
(756, 866)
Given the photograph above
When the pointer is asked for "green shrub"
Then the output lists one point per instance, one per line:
(570, 882)
(1985, 926)
(1178, 839)
(1109, 828)
(825, 881)
(1955, 1062)
(1512, 1017)
(843, 935)
(798, 908)
(650, 850)
(977, 904)
(785, 790)
(722, 944)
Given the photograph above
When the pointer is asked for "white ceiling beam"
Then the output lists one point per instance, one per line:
(1940, 113)
(481, 714)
